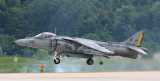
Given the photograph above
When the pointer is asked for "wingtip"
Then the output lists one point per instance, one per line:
(110, 52)
(145, 53)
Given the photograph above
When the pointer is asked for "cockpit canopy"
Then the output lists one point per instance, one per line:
(44, 35)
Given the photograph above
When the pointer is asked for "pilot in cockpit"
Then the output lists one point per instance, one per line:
(44, 35)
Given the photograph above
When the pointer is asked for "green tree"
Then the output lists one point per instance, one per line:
(28, 53)
(124, 24)
(3, 13)
(156, 13)
(41, 54)
(8, 45)
(92, 36)
(13, 3)
(15, 21)
(1, 52)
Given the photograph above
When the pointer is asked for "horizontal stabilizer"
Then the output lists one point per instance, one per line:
(137, 49)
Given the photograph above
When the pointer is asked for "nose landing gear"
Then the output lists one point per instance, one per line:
(56, 60)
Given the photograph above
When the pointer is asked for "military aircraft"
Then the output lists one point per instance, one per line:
(85, 48)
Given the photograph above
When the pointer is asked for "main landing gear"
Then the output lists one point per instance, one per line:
(90, 62)
(56, 60)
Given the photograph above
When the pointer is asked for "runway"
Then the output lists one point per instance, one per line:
(92, 76)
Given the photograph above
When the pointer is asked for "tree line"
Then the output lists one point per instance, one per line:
(102, 20)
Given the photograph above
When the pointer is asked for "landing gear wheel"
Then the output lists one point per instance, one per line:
(101, 63)
(57, 61)
(90, 61)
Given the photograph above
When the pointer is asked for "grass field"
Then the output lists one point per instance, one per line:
(8, 65)
(24, 65)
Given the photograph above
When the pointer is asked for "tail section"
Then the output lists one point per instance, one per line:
(135, 40)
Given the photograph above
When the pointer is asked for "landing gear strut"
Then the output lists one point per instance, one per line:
(90, 61)
(56, 60)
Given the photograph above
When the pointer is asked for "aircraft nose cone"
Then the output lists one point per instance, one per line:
(21, 42)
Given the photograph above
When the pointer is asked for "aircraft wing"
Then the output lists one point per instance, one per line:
(137, 49)
(90, 44)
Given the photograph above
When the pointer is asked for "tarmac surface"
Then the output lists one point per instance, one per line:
(92, 76)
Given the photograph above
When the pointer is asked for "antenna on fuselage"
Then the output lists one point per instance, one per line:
(55, 30)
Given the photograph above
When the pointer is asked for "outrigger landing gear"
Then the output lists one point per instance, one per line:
(56, 60)
(90, 61)
(101, 63)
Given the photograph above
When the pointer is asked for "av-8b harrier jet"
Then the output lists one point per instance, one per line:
(85, 48)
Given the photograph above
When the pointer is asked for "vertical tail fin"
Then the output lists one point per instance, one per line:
(135, 40)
